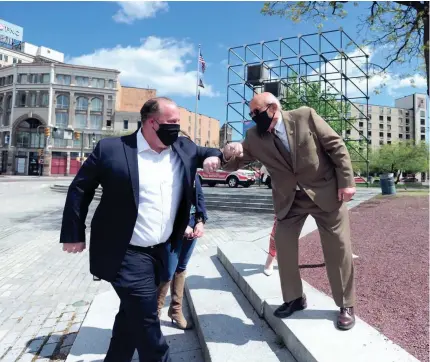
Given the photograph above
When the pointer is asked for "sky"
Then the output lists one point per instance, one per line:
(154, 44)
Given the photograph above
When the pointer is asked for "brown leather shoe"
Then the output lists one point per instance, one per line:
(346, 318)
(162, 290)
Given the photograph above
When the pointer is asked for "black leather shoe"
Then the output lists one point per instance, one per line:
(286, 309)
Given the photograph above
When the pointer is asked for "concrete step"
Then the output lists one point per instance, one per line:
(246, 197)
(310, 335)
(239, 203)
(228, 327)
(242, 209)
(93, 339)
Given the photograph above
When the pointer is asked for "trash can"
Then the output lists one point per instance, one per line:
(388, 186)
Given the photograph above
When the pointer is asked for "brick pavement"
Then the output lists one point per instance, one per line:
(44, 292)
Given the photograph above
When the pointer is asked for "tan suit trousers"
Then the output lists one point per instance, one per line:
(336, 245)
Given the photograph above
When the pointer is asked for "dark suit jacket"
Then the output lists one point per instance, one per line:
(113, 165)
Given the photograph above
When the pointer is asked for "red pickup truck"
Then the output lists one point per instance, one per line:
(245, 178)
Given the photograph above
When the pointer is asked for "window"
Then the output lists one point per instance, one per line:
(22, 99)
(381, 142)
(381, 126)
(408, 136)
(388, 142)
(32, 100)
(125, 124)
(96, 121)
(108, 123)
(389, 127)
(61, 119)
(110, 84)
(381, 134)
(369, 117)
(423, 137)
(348, 132)
(81, 104)
(422, 113)
(400, 111)
(407, 120)
(96, 105)
(22, 78)
(400, 120)
(62, 102)
(369, 134)
(388, 119)
(63, 79)
(423, 130)
(9, 103)
(139, 124)
(400, 136)
(423, 122)
(407, 129)
(45, 78)
(82, 81)
(388, 135)
(109, 105)
(388, 110)
(381, 118)
(45, 100)
(381, 110)
(1, 56)
(10, 79)
(19, 61)
(6, 58)
(14, 60)
(80, 120)
(360, 124)
(97, 83)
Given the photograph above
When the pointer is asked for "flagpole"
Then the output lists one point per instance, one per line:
(197, 96)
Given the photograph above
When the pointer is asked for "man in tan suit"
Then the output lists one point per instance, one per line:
(311, 175)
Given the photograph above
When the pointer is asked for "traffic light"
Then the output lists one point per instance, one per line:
(47, 132)
(77, 136)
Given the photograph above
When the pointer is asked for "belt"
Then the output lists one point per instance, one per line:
(144, 249)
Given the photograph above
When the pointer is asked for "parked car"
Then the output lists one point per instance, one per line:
(244, 178)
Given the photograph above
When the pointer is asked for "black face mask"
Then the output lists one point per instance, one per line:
(263, 121)
(168, 133)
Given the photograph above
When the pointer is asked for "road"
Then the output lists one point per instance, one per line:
(44, 292)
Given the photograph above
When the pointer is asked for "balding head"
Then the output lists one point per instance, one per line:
(265, 102)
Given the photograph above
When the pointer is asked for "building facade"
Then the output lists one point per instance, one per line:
(76, 100)
(127, 117)
(408, 120)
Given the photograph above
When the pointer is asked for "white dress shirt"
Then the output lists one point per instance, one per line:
(281, 132)
(160, 191)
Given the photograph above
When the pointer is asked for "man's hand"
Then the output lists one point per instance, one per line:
(211, 164)
(189, 233)
(346, 194)
(74, 247)
(233, 149)
(199, 230)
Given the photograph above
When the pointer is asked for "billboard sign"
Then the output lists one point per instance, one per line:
(10, 31)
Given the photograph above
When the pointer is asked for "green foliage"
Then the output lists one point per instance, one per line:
(399, 27)
(400, 157)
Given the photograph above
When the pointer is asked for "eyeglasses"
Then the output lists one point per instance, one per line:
(256, 112)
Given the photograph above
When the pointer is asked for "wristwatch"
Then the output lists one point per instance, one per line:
(200, 219)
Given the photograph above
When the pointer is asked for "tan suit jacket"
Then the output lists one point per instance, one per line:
(320, 162)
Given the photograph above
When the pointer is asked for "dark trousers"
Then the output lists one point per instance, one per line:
(137, 325)
(177, 260)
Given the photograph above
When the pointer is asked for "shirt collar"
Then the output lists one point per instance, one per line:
(142, 143)
(279, 126)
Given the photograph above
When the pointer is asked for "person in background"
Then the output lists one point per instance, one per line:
(175, 261)
(271, 256)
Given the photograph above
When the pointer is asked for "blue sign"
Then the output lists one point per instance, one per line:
(246, 126)
(10, 31)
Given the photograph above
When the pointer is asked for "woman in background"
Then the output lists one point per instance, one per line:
(268, 267)
(175, 262)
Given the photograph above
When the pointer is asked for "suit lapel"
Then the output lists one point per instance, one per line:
(290, 127)
(130, 149)
(185, 162)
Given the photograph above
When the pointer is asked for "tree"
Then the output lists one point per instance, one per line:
(401, 157)
(401, 26)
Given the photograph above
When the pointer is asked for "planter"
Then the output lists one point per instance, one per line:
(388, 187)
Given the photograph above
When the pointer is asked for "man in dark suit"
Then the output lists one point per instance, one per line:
(147, 181)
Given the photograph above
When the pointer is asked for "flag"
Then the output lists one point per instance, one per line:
(202, 62)
(201, 83)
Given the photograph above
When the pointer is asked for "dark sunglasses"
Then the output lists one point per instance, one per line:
(256, 112)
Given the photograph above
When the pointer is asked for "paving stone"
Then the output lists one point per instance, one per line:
(47, 350)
